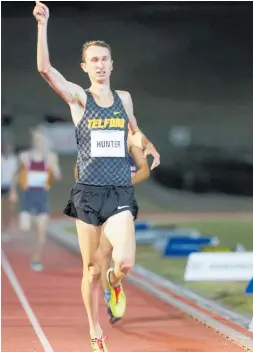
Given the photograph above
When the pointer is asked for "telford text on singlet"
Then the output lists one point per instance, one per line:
(101, 137)
(106, 123)
(108, 144)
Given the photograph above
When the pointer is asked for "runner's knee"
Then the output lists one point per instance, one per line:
(91, 272)
(106, 253)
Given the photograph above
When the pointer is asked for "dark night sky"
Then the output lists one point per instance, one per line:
(19, 8)
(218, 35)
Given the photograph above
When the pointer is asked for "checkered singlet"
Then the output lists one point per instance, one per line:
(97, 170)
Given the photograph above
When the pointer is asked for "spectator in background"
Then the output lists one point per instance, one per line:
(9, 164)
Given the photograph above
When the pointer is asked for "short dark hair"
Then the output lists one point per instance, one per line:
(94, 43)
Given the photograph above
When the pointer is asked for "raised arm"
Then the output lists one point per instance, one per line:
(70, 92)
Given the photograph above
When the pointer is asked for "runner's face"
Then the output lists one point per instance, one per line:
(38, 140)
(98, 64)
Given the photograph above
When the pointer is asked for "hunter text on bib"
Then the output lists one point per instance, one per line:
(107, 144)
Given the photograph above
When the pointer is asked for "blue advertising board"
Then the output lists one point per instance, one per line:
(184, 245)
(142, 225)
(249, 288)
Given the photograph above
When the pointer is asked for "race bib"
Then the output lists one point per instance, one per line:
(107, 144)
(36, 178)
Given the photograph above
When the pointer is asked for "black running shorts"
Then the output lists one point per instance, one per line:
(95, 204)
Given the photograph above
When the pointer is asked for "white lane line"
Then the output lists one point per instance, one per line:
(27, 308)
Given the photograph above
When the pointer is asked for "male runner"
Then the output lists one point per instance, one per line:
(139, 173)
(103, 193)
(9, 164)
(37, 166)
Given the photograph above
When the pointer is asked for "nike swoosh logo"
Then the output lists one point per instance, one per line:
(116, 112)
(123, 206)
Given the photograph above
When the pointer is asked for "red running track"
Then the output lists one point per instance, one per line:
(54, 301)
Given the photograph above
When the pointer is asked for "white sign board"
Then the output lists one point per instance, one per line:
(233, 266)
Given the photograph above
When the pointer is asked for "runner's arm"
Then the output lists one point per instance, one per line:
(21, 162)
(75, 172)
(14, 181)
(141, 163)
(55, 166)
(138, 138)
(70, 92)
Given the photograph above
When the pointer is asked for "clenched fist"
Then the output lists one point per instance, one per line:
(41, 13)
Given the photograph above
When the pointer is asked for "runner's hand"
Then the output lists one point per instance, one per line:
(41, 13)
(151, 150)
